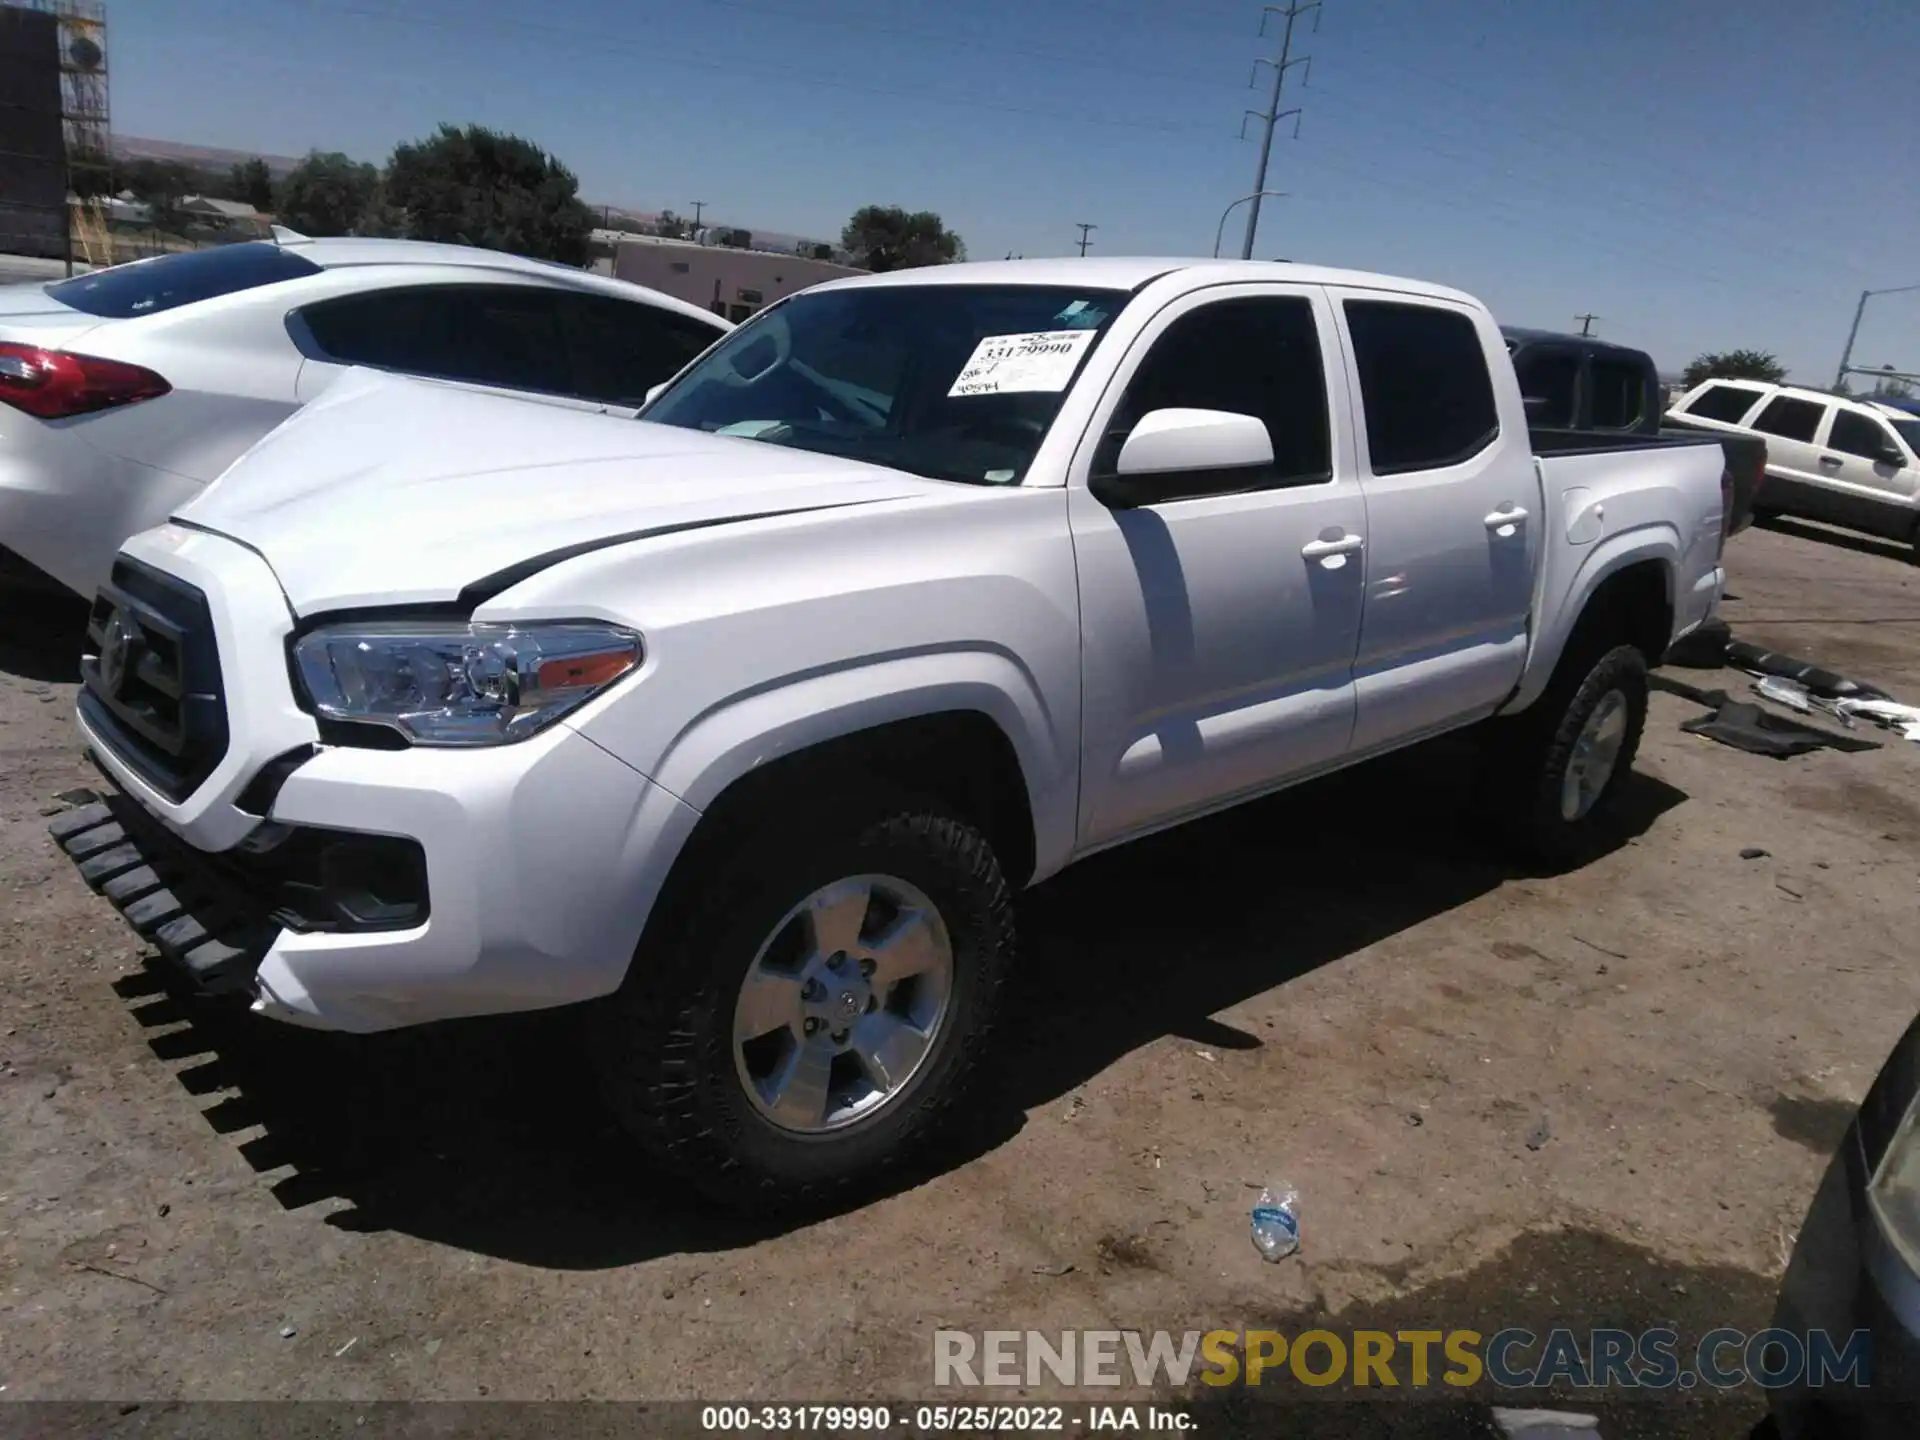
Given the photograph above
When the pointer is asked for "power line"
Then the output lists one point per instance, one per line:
(1273, 114)
(1085, 229)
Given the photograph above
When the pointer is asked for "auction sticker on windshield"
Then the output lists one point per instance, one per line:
(1041, 360)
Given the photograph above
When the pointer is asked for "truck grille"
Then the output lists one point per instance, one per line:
(151, 678)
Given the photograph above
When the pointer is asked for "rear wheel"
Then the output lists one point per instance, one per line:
(814, 1017)
(1554, 770)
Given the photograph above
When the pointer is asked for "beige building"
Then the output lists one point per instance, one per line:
(731, 283)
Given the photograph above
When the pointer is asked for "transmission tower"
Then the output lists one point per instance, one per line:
(1273, 114)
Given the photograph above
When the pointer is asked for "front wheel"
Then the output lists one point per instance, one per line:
(814, 1018)
(1555, 769)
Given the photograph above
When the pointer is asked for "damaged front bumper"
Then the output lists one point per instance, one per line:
(216, 916)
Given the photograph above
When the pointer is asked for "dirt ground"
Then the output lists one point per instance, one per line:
(1339, 989)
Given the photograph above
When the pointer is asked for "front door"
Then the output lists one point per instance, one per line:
(1871, 490)
(1454, 517)
(1219, 628)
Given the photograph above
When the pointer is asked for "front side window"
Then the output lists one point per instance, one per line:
(1726, 403)
(166, 282)
(504, 335)
(1857, 434)
(621, 349)
(1423, 383)
(953, 382)
(1789, 418)
(1257, 356)
(1619, 394)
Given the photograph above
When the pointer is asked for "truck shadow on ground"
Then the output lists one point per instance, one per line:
(488, 1136)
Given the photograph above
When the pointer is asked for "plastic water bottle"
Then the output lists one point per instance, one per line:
(1276, 1225)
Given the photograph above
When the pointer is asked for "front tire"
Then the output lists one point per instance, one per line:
(813, 1017)
(1556, 769)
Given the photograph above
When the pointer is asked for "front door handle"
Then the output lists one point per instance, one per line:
(1320, 549)
(1830, 462)
(1511, 515)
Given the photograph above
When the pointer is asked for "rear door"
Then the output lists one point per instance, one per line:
(1792, 424)
(1453, 517)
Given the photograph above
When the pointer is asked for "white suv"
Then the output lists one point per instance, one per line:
(1850, 462)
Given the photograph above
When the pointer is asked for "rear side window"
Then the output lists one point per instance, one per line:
(1548, 380)
(1619, 395)
(1258, 356)
(167, 282)
(1789, 418)
(1423, 383)
(621, 349)
(1857, 434)
(1723, 402)
(505, 335)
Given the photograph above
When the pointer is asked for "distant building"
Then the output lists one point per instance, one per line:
(732, 282)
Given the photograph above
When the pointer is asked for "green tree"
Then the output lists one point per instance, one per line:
(328, 194)
(253, 183)
(1891, 386)
(476, 186)
(885, 237)
(1735, 365)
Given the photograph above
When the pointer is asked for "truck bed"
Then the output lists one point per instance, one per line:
(1746, 457)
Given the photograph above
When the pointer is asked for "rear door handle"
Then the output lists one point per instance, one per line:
(1499, 519)
(1830, 462)
(1320, 549)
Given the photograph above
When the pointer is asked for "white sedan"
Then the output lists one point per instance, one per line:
(125, 392)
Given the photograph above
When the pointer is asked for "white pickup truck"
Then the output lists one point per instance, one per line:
(745, 721)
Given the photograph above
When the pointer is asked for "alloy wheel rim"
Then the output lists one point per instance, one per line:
(1596, 754)
(842, 1004)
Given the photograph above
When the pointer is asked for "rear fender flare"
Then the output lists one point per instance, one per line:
(1659, 542)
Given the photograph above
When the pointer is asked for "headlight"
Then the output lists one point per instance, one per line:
(1894, 1192)
(461, 684)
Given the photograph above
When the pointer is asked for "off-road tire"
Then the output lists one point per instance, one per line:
(1527, 756)
(663, 1044)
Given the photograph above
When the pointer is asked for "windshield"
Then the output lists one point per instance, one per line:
(954, 382)
(1909, 432)
(146, 287)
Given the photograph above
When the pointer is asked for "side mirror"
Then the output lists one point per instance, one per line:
(653, 391)
(1892, 454)
(1169, 451)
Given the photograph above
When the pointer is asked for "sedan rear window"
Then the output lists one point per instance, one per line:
(146, 287)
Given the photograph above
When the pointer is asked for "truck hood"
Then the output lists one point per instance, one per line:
(391, 491)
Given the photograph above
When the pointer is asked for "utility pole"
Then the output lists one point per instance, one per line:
(698, 206)
(1586, 323)
(1084, 242)
(1273, 114)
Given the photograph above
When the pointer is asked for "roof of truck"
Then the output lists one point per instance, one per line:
(1116, 272)
(1588, 342)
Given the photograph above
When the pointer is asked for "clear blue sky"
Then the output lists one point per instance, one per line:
(1702, 174)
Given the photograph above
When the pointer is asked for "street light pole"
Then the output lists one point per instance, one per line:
(1846, 355)
(1220, 231)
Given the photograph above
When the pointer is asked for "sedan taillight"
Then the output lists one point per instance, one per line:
(54, 384)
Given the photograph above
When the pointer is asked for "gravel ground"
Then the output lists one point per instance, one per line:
(1338, 989)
